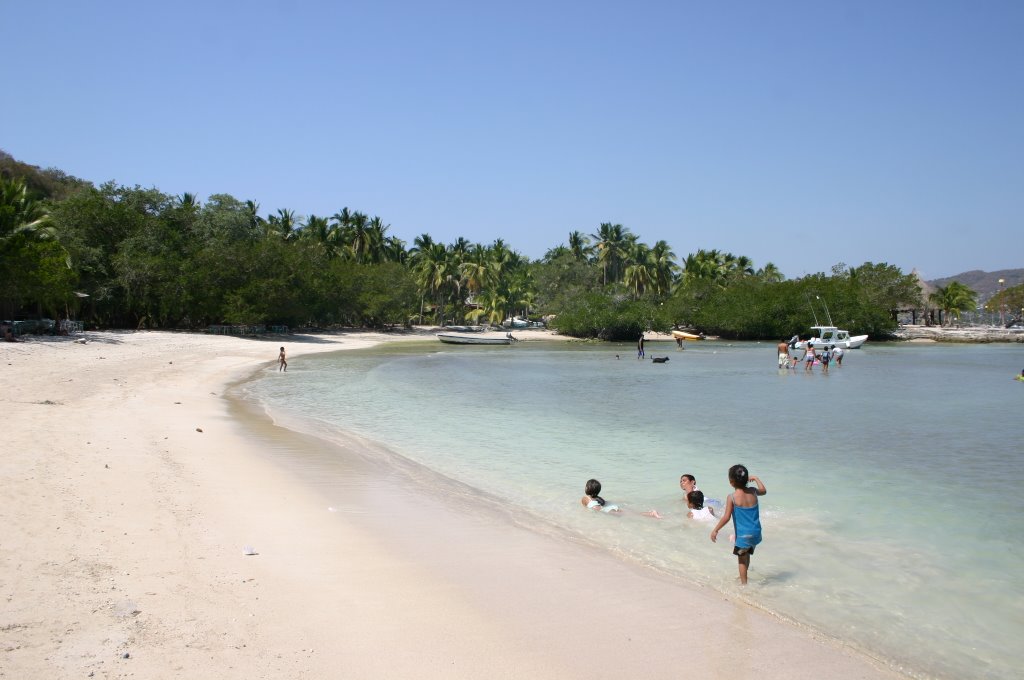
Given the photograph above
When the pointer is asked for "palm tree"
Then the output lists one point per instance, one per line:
(478, 269)
(436, 273)
(611, 240)
(324, 236)
(21, 216)
(189, 202)
(579, 245)
(491, 305)
(770, 274)
(716, 266)
(252, 210)
(665, 269)
(704, 265)
(555, 253)
(22, 221)
(282, 225)
(394, 250)
(460, 246)
(953, 299)
(742, 265)
(357, 236)
(639, 273)
(421, 246)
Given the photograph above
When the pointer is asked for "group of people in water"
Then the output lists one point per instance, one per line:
(741, 507)
(812, 355)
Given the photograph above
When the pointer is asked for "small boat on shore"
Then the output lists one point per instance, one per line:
(683, 335)
(465, 339)
(464, 329)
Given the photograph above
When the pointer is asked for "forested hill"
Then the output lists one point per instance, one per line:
(49, 183)
(985, 284)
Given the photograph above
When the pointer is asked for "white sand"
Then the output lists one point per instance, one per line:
(124, 528)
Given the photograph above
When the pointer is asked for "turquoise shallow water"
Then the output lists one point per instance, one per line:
(893, 519)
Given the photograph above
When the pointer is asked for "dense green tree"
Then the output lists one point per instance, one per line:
(609, 317)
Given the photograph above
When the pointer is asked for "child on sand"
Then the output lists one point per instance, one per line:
(593, 501)
(741, 506)
(282, 362)
(699, 511)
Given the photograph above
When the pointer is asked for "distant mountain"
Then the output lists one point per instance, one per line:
(985, 284)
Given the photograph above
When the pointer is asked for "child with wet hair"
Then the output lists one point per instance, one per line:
(741, 506)
(699, 511)
(592, 501)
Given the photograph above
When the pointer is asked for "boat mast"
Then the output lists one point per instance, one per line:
(826, 311)
(813, 313)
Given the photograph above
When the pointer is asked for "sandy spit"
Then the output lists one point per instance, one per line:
(132, 495)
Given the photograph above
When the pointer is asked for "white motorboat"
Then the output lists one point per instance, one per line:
(464, 329)
(467, 339)
(826, 336)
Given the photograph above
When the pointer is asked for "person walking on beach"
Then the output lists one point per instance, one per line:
(741, 506)
(282, 361)
(783, 349)
(640, 347)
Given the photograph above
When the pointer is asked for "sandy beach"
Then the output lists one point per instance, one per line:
(133, 491)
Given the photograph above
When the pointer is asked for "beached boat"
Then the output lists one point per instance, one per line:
(827, 336)
(683, 335)
(461, 339)
(464, 329)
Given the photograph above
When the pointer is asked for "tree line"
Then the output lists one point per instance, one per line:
(118, 256)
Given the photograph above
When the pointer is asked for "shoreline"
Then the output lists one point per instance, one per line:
(128, 527)
(956, 334)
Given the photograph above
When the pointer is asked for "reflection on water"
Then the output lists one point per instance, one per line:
(887, 500)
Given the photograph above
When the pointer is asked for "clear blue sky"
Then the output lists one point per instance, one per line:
(800, 133)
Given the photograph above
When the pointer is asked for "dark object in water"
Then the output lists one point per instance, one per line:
(659, 360)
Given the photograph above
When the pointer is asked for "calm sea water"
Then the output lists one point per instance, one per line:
(894, 519)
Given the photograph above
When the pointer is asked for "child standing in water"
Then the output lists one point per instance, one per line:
(742, 507)
(282, 361)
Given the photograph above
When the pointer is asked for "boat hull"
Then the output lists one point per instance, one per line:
(683, 335)
(456, 339)
(852, 343)
(829, 336)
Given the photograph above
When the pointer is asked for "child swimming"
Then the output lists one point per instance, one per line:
(742, 507)
(699, 511)
(592, 501)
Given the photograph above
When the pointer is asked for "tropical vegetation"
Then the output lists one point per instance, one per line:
(119, 256)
